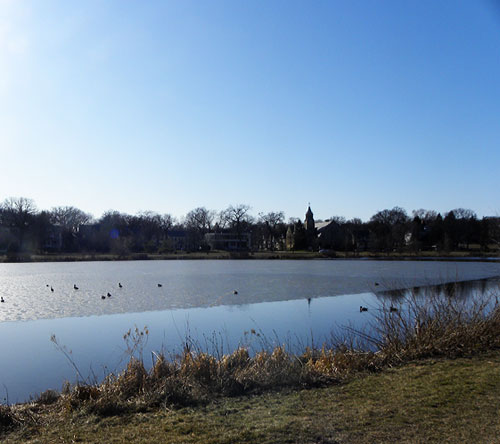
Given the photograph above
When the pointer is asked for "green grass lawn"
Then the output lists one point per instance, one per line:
(455, 401)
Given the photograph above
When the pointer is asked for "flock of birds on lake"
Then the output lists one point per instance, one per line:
(108, 295)
(75, 287)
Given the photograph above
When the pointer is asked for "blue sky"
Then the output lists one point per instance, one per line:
(354, 106)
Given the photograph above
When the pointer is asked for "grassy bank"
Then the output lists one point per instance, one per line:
(287, 255)
(180, 255)
(437, 401)
(428, 371)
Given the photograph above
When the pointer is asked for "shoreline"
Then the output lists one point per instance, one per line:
(259, 255)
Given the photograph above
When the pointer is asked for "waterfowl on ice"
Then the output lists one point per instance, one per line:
(160, 285)
(75, 287)
(120, 285)
(235, 292)
(393, 308)
(361, 308)
(1, 299)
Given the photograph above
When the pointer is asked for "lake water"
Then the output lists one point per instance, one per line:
(285, 301)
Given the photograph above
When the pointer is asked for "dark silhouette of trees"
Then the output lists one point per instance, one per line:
(236, 218)
(24, 229)
(45, 235)
(461, 227)
(69, 219)
(198, 222)
(122, 233)
(18, 215)
(467, 226)
(152, 229)
(390, 228)
(299, 236)
(426, 230)
(272, 230)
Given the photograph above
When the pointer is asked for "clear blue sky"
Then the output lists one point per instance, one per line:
(354, 106)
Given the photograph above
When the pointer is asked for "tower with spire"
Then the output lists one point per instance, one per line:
(309, 221)
(309, 225)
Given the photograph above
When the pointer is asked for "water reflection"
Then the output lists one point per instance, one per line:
(457, 290)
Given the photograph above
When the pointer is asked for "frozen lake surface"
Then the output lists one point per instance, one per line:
(26, 288)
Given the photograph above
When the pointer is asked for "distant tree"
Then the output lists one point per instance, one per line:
(198, 222)
(299, 236)
(236, 218)
(417, 233)
(41, 229)
(200, 219)
(18, 212)
(484, 232)
(113, 231)
(450, 231)
(341, 220)
(467, 226)
(492, 225)
(69, 219)
(18, 215)
(147, 231)
(274, 229)
(464, 213)
(358, 235)
(390, 228)
(425, 215)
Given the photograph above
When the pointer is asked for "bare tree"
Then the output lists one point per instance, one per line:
(150, 229)
(390, 228)
(17, 214)
(200, 220)
(425, 215)
(70, 218)
(464, 213)
(236, 217)
(17, 211)
(341, 220)
(271, 222)
(466, 226)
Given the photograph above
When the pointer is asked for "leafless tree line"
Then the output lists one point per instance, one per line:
(24, 228)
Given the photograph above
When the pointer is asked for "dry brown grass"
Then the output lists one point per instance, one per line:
(437, 324)
(429, 401)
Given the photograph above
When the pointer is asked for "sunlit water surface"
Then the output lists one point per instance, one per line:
(297, 302)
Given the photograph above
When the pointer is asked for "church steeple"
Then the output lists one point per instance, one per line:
(309, 222)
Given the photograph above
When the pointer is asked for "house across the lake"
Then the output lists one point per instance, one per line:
(228, 241)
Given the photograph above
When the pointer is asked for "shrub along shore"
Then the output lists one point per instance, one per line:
(404, 356)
